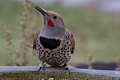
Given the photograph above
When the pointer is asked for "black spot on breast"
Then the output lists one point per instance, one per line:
(34, 45)
(72, 50)
(49, 43)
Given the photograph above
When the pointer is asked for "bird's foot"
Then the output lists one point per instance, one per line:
(41, 67)
(67, 69)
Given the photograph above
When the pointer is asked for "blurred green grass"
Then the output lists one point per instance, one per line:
(95, 32)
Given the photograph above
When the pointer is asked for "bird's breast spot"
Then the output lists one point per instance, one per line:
(49, 43)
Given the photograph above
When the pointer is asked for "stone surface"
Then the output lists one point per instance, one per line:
(57, 73)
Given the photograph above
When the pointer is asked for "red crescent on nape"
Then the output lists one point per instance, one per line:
(50, 23)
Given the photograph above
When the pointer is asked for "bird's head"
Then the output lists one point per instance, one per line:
(52, 20)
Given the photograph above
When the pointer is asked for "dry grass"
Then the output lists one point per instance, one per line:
(21, 56)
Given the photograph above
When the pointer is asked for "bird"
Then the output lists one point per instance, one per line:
(54, 43)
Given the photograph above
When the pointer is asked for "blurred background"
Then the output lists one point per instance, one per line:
(95, 24)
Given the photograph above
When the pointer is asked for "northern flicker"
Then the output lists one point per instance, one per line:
(54, 44)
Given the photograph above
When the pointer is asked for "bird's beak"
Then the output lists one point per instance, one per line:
(43, 11)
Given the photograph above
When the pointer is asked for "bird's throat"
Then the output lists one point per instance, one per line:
(50, 23)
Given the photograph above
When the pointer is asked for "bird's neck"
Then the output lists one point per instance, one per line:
(52, 32)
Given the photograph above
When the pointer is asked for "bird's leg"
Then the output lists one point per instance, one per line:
(41, 67)
(67, 68)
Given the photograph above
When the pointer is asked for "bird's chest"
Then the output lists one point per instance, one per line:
(54, 57)
(49, 43)
(52, 52)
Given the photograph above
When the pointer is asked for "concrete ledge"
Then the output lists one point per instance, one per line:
(30, 72)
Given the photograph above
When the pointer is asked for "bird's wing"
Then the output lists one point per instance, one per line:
(71, 39)
(34, 39)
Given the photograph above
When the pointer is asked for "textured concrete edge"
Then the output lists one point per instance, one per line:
(115, 74)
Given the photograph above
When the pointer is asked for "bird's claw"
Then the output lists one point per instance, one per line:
(41, 67)
(67, 69)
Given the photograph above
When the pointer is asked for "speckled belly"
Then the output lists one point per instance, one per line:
(54, 57)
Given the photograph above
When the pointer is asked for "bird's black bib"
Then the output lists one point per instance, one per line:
(49, 43)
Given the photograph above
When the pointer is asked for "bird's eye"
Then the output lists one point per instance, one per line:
(55, 17)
